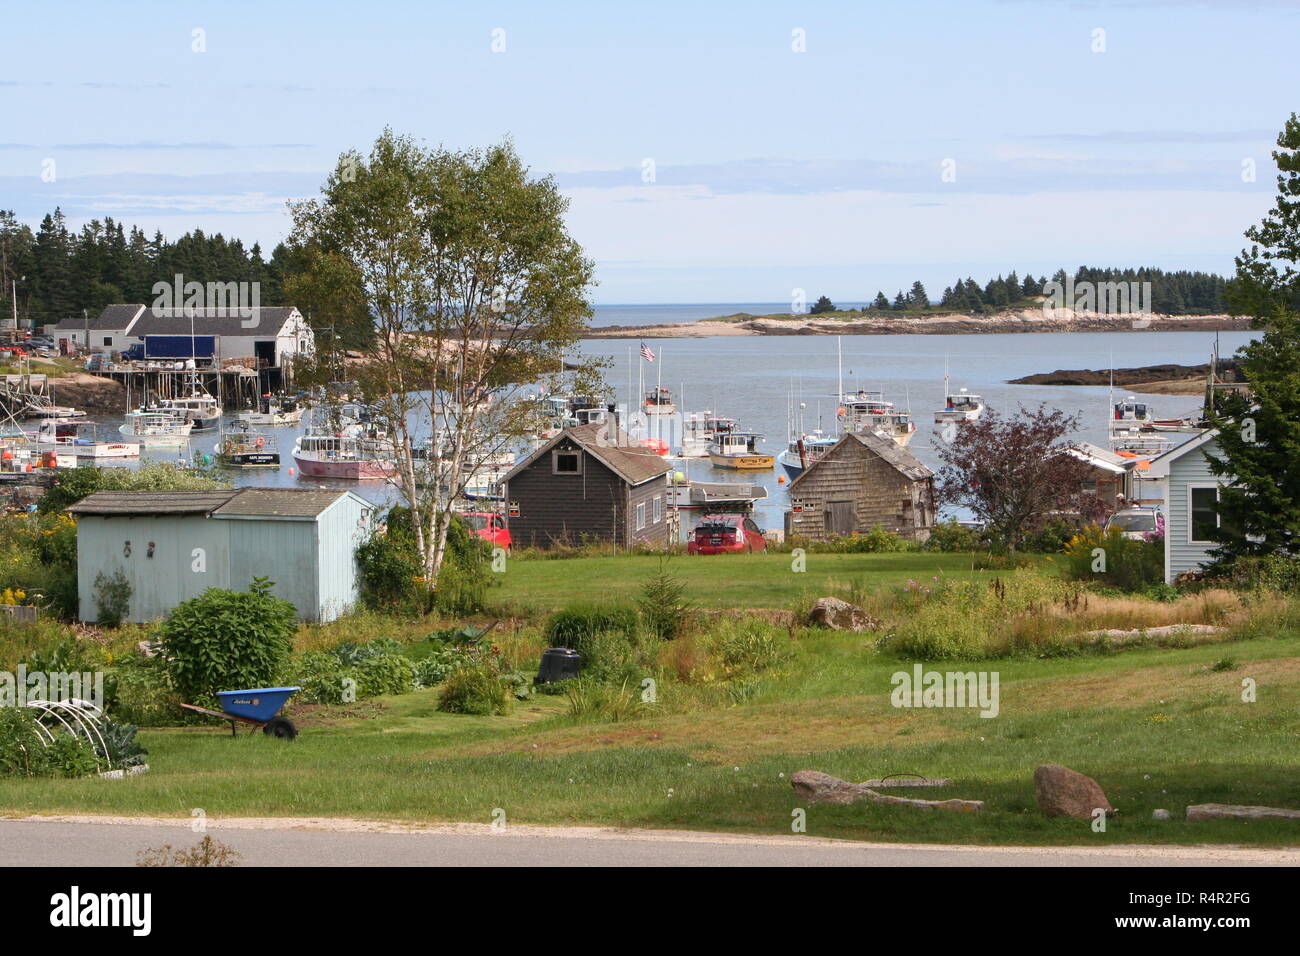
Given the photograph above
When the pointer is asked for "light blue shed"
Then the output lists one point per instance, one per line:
(173, 545)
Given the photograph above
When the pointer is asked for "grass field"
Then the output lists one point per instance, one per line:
(721, 580)
(1157, 728)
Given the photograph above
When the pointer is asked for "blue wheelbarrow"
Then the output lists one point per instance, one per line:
(259, 707)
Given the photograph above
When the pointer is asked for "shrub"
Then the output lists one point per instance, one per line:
(393, 577)
(1110, 558)
(748, 645)
(228, 640)
(949, 537)
(112, 598)
(571, 624)
(590, 699)
(474, 689)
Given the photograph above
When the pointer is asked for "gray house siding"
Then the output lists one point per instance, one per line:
(1187, 472)
(595, 505)
(282, 551)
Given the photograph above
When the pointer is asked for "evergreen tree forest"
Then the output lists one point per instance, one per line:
(59, 273)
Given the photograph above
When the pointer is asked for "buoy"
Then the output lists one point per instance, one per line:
(261, 440)
(780, 479)
(678, 477)
(290, 471)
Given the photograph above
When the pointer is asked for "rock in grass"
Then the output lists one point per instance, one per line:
(1159, 814)
(1062, 792)
(842, 616)
(1227, 811)
(817, 787)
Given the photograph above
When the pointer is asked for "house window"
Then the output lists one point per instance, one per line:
(658, 510)
(1203, 521)
(1088, 487)
(108, 341)
(566, 462)
(640, 516)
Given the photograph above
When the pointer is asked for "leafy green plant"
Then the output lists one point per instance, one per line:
(474, 689)
(112, 597)
(1107, 557)
(227, 640)
(28, 750)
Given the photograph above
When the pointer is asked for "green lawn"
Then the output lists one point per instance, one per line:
(720, 580)
(1157, 728)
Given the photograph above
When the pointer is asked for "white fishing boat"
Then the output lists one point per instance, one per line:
(867, 411)
(659, 401)
(156, 429)
(272, 412)
(199, 408)
(961, 406)
(803, 451)
(79, 439)
(699, 431)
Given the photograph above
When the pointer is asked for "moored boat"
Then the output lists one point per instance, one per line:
(342, 455)
(272, 411)
(866, 411)
(243, 446)
(739, 450)
(959, 407)
(699, 430)
(659, 401)
(78, 438)
(803, 451)
(156, 429)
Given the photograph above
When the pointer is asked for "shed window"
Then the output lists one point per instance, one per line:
(640, 516)
(1204, 518)
(658, 510)
(566, 462)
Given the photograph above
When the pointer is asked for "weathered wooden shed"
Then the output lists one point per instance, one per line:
(589, 483)
(172, 545)
(864, 481)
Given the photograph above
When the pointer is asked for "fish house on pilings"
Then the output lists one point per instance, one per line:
(864, 481)
(590, 483)
(171, 546)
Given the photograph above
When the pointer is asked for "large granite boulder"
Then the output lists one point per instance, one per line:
(842, 616)
(1062, 792)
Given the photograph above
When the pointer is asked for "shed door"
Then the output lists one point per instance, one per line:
(839, 517)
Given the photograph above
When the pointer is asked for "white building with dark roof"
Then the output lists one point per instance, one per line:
(266, 337)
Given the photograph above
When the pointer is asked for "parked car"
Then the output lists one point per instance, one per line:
(1137, 522)
(41, 342)
(725, 534)
(488, 526)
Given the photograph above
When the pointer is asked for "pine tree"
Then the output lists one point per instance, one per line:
(917, 298)
(881, 302)
(1259, 435)
(900, 302)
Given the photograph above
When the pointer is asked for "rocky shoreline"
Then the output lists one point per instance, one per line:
(1151, 379)
(1023, 321)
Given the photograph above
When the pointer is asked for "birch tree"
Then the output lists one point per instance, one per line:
(476, 290)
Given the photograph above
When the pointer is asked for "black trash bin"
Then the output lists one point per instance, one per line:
(558, 663)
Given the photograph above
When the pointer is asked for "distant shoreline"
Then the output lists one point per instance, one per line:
(955, 323)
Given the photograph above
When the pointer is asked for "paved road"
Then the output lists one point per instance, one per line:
(77, 841)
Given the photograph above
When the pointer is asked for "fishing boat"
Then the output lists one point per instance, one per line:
(866, 411)
(689, 495)
(156, 429)
(80, 439)
(959, 407)
(803, 451)
(739, 450)
(243, 446)
(272, 411)
(198, 407)
(699, 430)
(659, 401)
(349, 455)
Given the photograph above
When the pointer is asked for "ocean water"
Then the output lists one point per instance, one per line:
(607, 315)
(757, 379)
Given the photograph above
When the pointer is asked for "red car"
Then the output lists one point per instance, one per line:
(725, 534)
(488, 526)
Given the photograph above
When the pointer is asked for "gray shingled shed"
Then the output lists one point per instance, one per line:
(864, 481)
(173, 545)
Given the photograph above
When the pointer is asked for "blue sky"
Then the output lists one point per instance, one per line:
(773, 169)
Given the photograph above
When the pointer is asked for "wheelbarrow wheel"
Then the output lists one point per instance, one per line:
(281, 727)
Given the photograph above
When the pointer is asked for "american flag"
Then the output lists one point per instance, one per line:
(646, 353)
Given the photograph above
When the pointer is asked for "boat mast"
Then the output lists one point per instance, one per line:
(839, 387)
